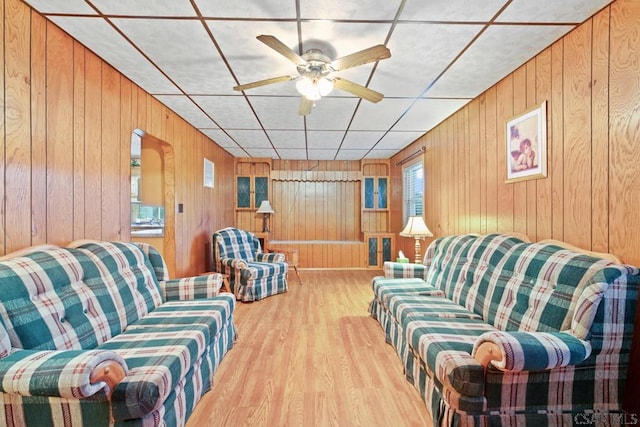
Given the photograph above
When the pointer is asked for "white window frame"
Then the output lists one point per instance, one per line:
(409, 205)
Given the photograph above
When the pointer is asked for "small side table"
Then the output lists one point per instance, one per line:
(226, 287)
(292, 258)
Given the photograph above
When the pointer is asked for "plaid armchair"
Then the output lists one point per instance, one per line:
(253, 274)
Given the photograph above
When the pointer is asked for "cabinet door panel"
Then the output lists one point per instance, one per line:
(243, 192)
(387, 247)
(372, 245)
(382, 193)
(368, 193)
(262, 189)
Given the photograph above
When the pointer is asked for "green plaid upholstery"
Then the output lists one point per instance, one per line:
(563, 321)
(534, 351)
(64, 310)
(61, 373)
(253, 275)
(131, 272)
(156, 261)
(56, 300)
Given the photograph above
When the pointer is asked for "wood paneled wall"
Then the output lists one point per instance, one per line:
(591, 196)
(66, 132)
(317, 206)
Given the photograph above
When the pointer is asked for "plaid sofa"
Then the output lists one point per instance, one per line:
(253, 274)
(563, 322)
(63, 311)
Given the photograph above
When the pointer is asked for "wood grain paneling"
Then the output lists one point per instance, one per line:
(577, 137)
(67, 123)
(17, 154)
(591, 194)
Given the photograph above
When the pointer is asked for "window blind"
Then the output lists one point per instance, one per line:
(412, 190)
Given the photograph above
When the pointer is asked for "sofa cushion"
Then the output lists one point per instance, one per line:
(537, 287)
(406, 308)
(260, 270)
(444, 345)
(55, 299)
(130, 277)
(473, 266)
(212, 313)
(234, 243)
(384, 288)
(444, 258)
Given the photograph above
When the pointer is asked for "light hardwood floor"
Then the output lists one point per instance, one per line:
(311, 357)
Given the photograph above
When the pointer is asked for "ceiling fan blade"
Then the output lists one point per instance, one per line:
(358, 90)
(281, 48)
(263, 83)
(372, 54)
(306, 106)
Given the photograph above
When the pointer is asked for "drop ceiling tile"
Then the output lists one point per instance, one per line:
(381, 154)
(259, 9)
(452, 10)
(186, 109)
(220, 138)
(293, 154)
(278, 112)
(250, 138)
(419, 53)
(79, 7)
(361, 139)
(576, 11)
(395, 140)
(105, 42)
(489, 59)
(351, 154)
(320, 140)
(380, 116)
(252, 60)
(338, 39)
(230, 112)
(198, 69)
(145, 8)
(322, 154)
(237, 152)
(425, 114)
(331, 113)
(262, 152)
(341, 39)
(287, 139)
(338, 9)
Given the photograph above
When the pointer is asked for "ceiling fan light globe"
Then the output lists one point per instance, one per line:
(304, 86)
(325, 86)
(314, 96)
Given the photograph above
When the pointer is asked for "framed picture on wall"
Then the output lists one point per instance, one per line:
(208, 173)
(526, 145)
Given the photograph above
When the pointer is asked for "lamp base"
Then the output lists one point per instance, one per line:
(418, 257)
(265, 223)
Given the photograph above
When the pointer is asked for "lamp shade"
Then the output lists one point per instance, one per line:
(416, 228)
(265, 207)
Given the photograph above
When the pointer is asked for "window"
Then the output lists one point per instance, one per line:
(412, 190)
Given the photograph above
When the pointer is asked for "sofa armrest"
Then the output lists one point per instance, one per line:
(530, 351)
(234, 263)
(398, 270)
(270, 257)
(71, 374)
(191, 288)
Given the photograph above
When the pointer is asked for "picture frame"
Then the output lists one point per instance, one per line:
(209, 173)
(526, 145)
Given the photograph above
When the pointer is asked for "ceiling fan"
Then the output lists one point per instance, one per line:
(315, 77)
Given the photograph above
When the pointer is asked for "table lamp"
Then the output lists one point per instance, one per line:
(265, 209)
(417, 229)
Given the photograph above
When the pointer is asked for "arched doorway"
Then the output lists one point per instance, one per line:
(153, 195)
